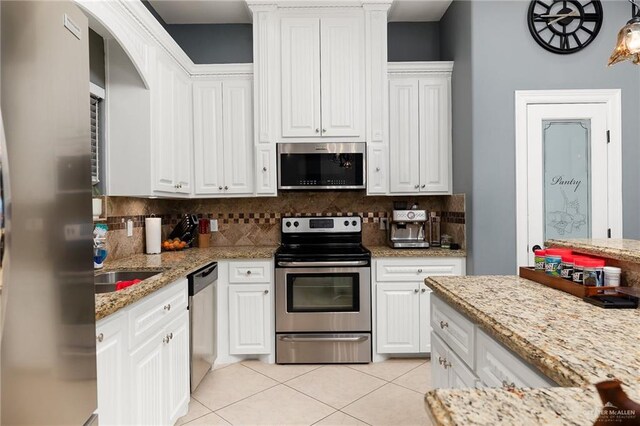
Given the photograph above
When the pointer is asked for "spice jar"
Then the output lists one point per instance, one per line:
(539, 259)
(578, 269)
(612, 276)
(566, 268)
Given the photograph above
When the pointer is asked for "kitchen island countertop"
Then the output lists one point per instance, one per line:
(573, 343)
(173, 265)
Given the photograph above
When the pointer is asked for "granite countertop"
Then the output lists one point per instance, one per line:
(386, 251)
(614, 248)
(573, 343)
(173, 266)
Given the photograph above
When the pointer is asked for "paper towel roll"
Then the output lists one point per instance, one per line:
(153, 230)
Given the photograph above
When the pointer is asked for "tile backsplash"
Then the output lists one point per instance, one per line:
(256, 221)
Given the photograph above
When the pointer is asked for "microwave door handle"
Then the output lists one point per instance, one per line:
(326, 264)
(323, 339)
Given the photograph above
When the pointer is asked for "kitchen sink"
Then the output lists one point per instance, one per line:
(105, 282)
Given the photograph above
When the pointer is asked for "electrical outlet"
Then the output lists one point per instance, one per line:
(213, 225)
(383, 223)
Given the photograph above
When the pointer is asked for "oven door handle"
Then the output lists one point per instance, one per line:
(323, 339)
(326, 264)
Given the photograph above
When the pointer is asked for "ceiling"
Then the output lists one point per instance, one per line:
(237, 12)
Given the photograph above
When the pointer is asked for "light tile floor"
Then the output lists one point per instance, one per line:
(254, 393)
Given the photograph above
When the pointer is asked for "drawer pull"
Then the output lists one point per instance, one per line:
(419, 271)
(100, 337)
(444, 324)
(167, 307)
(248, 272)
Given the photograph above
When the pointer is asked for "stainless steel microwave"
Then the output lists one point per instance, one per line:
(322, 165)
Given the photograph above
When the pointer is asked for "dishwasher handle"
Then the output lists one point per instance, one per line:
(202, 279)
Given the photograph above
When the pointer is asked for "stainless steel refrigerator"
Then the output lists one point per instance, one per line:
(47, 352)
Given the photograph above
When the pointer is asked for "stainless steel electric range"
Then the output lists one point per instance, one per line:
(322, 292)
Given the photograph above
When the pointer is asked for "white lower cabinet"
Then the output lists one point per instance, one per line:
(249, 313)
(145, 381)
(111, 359)
(464, 356)
(247, 323)
(402, 302)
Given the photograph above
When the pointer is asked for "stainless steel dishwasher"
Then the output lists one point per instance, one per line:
(202, 321)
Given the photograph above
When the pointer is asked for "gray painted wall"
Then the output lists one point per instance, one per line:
(96, 59)
(501, 65)
(413, 41)
(215, 44)
(455, 45)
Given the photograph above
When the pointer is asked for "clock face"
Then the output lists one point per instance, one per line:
(564, 26)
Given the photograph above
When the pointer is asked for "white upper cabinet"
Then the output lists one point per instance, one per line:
(420, 128)
(171, 142)
(300, 68)
(237, 113)
(342, 53)
(404, 150)
(322, 76)
(207, 137)
(223, 137)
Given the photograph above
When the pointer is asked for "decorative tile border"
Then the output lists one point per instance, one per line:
(119, 222)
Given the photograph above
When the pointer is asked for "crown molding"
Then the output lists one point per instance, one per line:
(221, 70)
(410, 68)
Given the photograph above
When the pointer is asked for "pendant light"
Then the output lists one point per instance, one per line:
(628, 45)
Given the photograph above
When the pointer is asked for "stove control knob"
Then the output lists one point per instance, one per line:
(288, 224)
(296, 224)
(354, 223)
(346, 223)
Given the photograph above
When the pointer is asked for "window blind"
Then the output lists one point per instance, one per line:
(95, 135)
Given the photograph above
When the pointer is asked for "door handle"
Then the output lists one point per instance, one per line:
(323, 339)
(536, 247)
(312, 264)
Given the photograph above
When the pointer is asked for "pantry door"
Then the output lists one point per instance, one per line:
(570, 175)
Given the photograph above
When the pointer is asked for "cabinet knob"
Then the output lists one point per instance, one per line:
(220, 188)
(165, 339)
(377, 169)
(226, 187)
(416, 186)
(424, 290)
(324, 130)
(248, 271)
(419, 270)
(444, 324)
(317, 130)
(441, 360)
(170, 336)
(446, 364)
(264, 169)
(416, 290)
(507, 385)
(167, 307)
(423, 186)
(266, 292)
(100, 337)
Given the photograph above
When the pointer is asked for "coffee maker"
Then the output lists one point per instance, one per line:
(408, 229)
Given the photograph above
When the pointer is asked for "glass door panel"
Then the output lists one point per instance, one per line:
(323, 292)
(567, 178)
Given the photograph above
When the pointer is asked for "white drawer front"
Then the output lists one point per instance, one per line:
(498, 367)
(457, 331)
(416, 269)
(154, 312)
(250, 272)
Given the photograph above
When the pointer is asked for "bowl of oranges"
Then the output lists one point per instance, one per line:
(174, 245)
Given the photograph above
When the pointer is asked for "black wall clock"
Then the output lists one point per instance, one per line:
(564, 26)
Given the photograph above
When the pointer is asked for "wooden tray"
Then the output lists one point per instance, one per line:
(561, 284)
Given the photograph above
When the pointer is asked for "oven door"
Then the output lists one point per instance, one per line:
(321, 166)
(323, 299)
